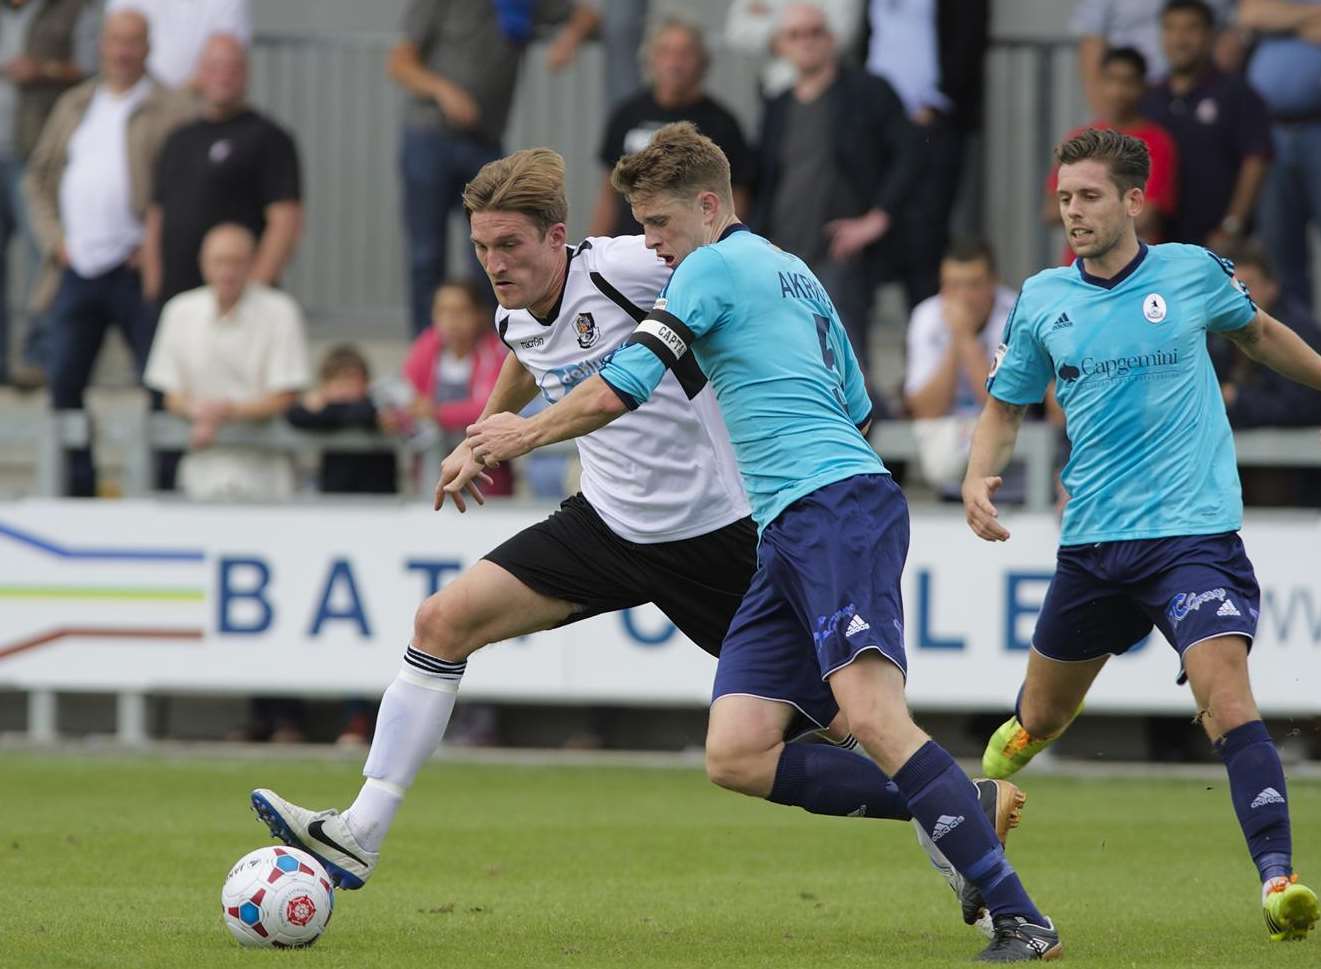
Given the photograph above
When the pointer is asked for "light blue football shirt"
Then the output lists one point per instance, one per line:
(1153, 455)
(763, 331)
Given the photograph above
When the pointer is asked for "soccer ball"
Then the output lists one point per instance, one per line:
(277, 896)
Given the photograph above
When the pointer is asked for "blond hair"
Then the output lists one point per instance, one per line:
(679, 161)
(530, 181)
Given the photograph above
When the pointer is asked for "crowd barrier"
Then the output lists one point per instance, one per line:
(137, 435)
(139, 598)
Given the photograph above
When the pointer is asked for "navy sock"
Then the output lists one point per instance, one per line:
(944, 801)
(824, 779)
(1256, 785)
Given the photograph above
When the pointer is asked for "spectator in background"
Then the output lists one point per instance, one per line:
(46, 46)
(623, 25)
(1121, 91)
(180, 30)
(232, 351)
(838, 158)
(454, 364)
(1285, 69)
(1256, 396)
(933, 53)
(752, 26)
(87, 186)
(1101, 25)
(342, 401)
(677, 60)
(952, 341)
(459, 63)
(232, 164)
(1220, 130)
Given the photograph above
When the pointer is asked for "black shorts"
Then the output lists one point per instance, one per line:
(697, 582)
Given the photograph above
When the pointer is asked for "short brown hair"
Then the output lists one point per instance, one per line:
(679, 161)
(971, 249)
(530, 181)
(342, 359)
(1126, 157)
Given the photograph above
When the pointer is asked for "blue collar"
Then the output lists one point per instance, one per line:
(1118, 277)
(736, 227)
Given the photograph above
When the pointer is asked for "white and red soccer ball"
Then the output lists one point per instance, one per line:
(277, 896)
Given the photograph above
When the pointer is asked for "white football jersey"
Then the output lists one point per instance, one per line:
(665, 471)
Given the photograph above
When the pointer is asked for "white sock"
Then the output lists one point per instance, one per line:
(414, 713)
(372, 812)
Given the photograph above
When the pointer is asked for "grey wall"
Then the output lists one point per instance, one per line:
(1015, 18)
(319, 67)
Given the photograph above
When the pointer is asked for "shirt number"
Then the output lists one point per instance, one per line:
(828, 355)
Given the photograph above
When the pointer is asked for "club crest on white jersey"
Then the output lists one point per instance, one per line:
(665, 471)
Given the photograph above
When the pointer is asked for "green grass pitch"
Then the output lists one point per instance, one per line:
(118, 863)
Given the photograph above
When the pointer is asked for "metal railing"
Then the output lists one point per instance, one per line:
(139, 436)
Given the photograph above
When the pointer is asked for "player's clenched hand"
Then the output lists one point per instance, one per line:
(499, 437)
(981, 513)
(459, 473)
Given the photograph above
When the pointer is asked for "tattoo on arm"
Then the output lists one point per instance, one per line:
(1248, 337)
(1012, 412)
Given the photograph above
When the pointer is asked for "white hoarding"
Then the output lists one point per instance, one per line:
(319, 599)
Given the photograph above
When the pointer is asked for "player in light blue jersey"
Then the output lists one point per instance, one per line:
(824, 604)
(1149, 535)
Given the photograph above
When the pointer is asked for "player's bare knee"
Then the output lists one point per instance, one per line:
(1227, 711)
(727, 768)
(888, 735)
(440, 629)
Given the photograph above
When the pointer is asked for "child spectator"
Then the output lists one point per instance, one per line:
(341, 401)
(453, 366)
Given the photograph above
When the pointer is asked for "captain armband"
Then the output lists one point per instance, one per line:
(665, 335)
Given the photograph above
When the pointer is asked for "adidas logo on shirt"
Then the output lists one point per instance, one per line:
(947, 823)
(1268, 796)
(1061, 322)
(857, 625)
(1227, 608)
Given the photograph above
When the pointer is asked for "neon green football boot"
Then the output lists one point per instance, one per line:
(1011, 747)
(1291, 909)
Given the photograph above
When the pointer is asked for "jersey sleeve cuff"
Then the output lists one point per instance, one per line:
(1021, 400)
(628, 400)
(866, 420)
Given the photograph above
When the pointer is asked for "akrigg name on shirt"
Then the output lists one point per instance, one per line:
(801, 286)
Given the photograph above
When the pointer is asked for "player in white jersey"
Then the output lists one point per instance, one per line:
(662, 516)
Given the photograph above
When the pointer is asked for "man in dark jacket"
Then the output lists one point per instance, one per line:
(838, 158)
(46, 46)
(933, 53)
(1256, 396)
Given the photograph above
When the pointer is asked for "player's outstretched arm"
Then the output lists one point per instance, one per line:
(992, 447)
(501, 437)
(1269, 342)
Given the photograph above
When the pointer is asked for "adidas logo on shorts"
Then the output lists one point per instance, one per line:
(947, 823)
(1268, 796)
(857, 625)
(1227, 608)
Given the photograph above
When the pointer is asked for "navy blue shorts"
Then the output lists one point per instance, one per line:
(826, 589)
(1105, 598)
